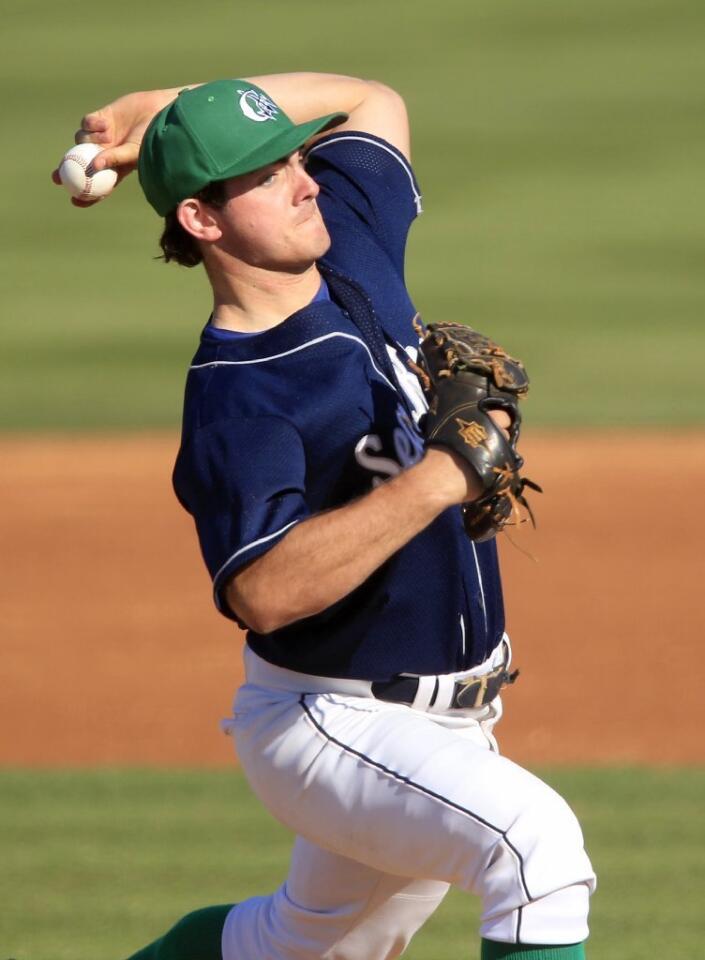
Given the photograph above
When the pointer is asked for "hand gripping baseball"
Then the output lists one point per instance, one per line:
(465, 376)
(118, 129)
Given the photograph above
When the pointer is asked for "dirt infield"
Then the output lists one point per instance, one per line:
(113, 654)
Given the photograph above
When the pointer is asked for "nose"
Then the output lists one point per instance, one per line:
(305, 187)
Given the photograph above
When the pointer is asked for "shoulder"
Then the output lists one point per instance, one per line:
(369, 198)
(316, 352)
(370, 161)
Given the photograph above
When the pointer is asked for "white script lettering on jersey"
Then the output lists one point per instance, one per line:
(408, 380)
(408, 449)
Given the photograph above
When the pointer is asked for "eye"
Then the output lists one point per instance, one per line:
(267, 179)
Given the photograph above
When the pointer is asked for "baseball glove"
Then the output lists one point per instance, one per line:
(465, 375)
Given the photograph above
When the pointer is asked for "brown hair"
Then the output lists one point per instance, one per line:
(178, 244)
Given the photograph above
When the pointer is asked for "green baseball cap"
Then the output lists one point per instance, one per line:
(213, 132)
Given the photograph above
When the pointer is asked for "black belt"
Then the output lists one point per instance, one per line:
(473, 692)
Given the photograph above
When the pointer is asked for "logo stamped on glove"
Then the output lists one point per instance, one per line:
(471, 432)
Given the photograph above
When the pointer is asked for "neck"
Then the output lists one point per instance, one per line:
(248, 299)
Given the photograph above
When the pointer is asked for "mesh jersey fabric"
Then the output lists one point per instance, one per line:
(308, 415)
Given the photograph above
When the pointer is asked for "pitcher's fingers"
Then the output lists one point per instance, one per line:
(117, 158)
(95, 128)
(95, 122)
(87, 136)
(501, 418)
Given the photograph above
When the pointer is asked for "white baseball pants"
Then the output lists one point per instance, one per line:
(391, 806)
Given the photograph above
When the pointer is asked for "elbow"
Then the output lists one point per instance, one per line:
(266, 621)
(383, 113)
(258, 611)
(383, 90)
(393, 101)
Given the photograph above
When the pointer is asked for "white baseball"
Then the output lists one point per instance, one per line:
(78, 177)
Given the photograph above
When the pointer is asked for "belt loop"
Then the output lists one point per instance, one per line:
(446, 691)
(507, 649)
(424, 693)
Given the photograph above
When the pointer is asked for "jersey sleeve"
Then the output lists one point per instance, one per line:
(243, 480)
(364, 181)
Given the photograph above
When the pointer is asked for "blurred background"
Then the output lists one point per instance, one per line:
(560, 148)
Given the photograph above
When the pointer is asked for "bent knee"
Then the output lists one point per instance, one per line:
(549, 845)
(539, 878)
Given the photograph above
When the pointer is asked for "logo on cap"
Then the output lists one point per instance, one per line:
(257, 106)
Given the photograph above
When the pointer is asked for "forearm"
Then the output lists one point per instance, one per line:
(372, 107)
(302, 96)
(307, 95)
(323, 559)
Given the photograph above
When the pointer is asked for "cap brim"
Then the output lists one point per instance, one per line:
(282, 145)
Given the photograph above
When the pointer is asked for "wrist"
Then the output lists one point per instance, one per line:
(444, 479)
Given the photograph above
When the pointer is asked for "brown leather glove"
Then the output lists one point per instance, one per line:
(465, 375)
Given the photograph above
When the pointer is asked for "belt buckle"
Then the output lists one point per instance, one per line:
(465, 688)
(491, 683)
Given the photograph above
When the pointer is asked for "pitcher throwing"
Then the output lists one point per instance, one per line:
(332, 513)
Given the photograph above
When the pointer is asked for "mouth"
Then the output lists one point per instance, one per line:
(313, 212)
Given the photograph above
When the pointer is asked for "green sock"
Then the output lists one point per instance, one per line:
(195, 937)
(491, 950)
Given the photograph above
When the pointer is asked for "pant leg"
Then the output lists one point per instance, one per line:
(406, 795)
(330, 908)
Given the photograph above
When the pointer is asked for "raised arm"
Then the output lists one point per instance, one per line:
(371, 107)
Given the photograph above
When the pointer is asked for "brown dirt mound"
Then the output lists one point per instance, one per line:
(113, 653)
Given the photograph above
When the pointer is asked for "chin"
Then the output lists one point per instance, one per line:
(316, 246)
(324, 247)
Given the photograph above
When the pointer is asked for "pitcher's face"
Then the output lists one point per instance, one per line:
(271, 218)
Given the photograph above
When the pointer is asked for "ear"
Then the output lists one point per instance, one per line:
(198, 219)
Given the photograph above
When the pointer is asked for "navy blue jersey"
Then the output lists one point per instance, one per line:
(318, 410)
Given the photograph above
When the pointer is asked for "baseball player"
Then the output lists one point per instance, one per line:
(376, 644)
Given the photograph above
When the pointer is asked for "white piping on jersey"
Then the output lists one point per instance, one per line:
(382, 146)
(286, 353)
(479, 580)
(255, 543)
(462, 633)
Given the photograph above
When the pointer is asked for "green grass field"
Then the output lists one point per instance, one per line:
(95, 864)
(559, 146)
